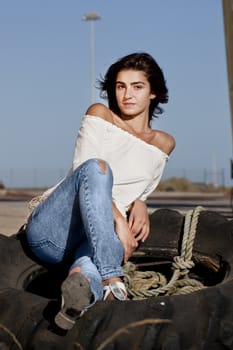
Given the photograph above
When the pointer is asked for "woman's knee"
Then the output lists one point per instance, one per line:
(103, 165)
(96, 166)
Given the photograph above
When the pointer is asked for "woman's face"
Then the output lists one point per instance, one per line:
(133, 92)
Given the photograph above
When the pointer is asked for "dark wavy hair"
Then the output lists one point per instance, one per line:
(140, 62)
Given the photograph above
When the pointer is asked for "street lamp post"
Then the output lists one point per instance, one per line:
(92, 16)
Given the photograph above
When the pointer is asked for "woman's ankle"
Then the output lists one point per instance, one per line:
(111, 280)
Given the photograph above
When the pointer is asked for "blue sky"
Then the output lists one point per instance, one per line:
(45, 81)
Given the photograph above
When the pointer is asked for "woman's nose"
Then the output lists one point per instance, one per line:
(128, 92)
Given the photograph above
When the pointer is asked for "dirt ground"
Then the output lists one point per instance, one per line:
(12, 216)
(14, 208)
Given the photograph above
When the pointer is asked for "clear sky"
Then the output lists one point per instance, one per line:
(45, 80)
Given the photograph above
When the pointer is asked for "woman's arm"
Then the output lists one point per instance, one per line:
(124, 233)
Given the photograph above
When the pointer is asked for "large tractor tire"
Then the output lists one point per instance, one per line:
(30, 296)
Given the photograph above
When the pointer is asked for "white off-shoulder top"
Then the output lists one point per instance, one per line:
(136, 165)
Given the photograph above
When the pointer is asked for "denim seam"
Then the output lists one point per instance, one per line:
(45, 242)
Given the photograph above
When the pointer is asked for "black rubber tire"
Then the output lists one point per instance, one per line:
(199, 320)
(16, 267)
(20, 270)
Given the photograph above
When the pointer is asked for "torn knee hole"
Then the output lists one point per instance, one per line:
(102, 165)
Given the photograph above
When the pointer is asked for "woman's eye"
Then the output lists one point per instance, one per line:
(120, 87)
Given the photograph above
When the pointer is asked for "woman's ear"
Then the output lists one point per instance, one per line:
(152, 96)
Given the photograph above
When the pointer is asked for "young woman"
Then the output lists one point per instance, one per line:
(95, 218)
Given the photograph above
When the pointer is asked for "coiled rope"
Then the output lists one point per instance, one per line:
(144, 284)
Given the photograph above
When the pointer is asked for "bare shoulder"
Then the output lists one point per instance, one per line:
(101, 111)
(164, 141)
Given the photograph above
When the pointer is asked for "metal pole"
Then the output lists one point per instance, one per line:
(227, 7)
(92, 62)
(92, 16)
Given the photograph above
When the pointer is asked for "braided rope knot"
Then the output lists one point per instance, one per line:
(141, 285)
(181, 264)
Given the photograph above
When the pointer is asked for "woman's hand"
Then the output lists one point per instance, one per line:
(127, 239)
(139, 222)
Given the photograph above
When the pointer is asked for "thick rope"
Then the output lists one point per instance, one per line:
(141, 285)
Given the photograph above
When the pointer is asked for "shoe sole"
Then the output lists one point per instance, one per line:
(76, 295)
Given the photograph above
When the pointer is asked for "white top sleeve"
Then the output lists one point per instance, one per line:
(89, 143)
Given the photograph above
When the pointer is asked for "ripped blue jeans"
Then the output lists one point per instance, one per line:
(76, 220)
